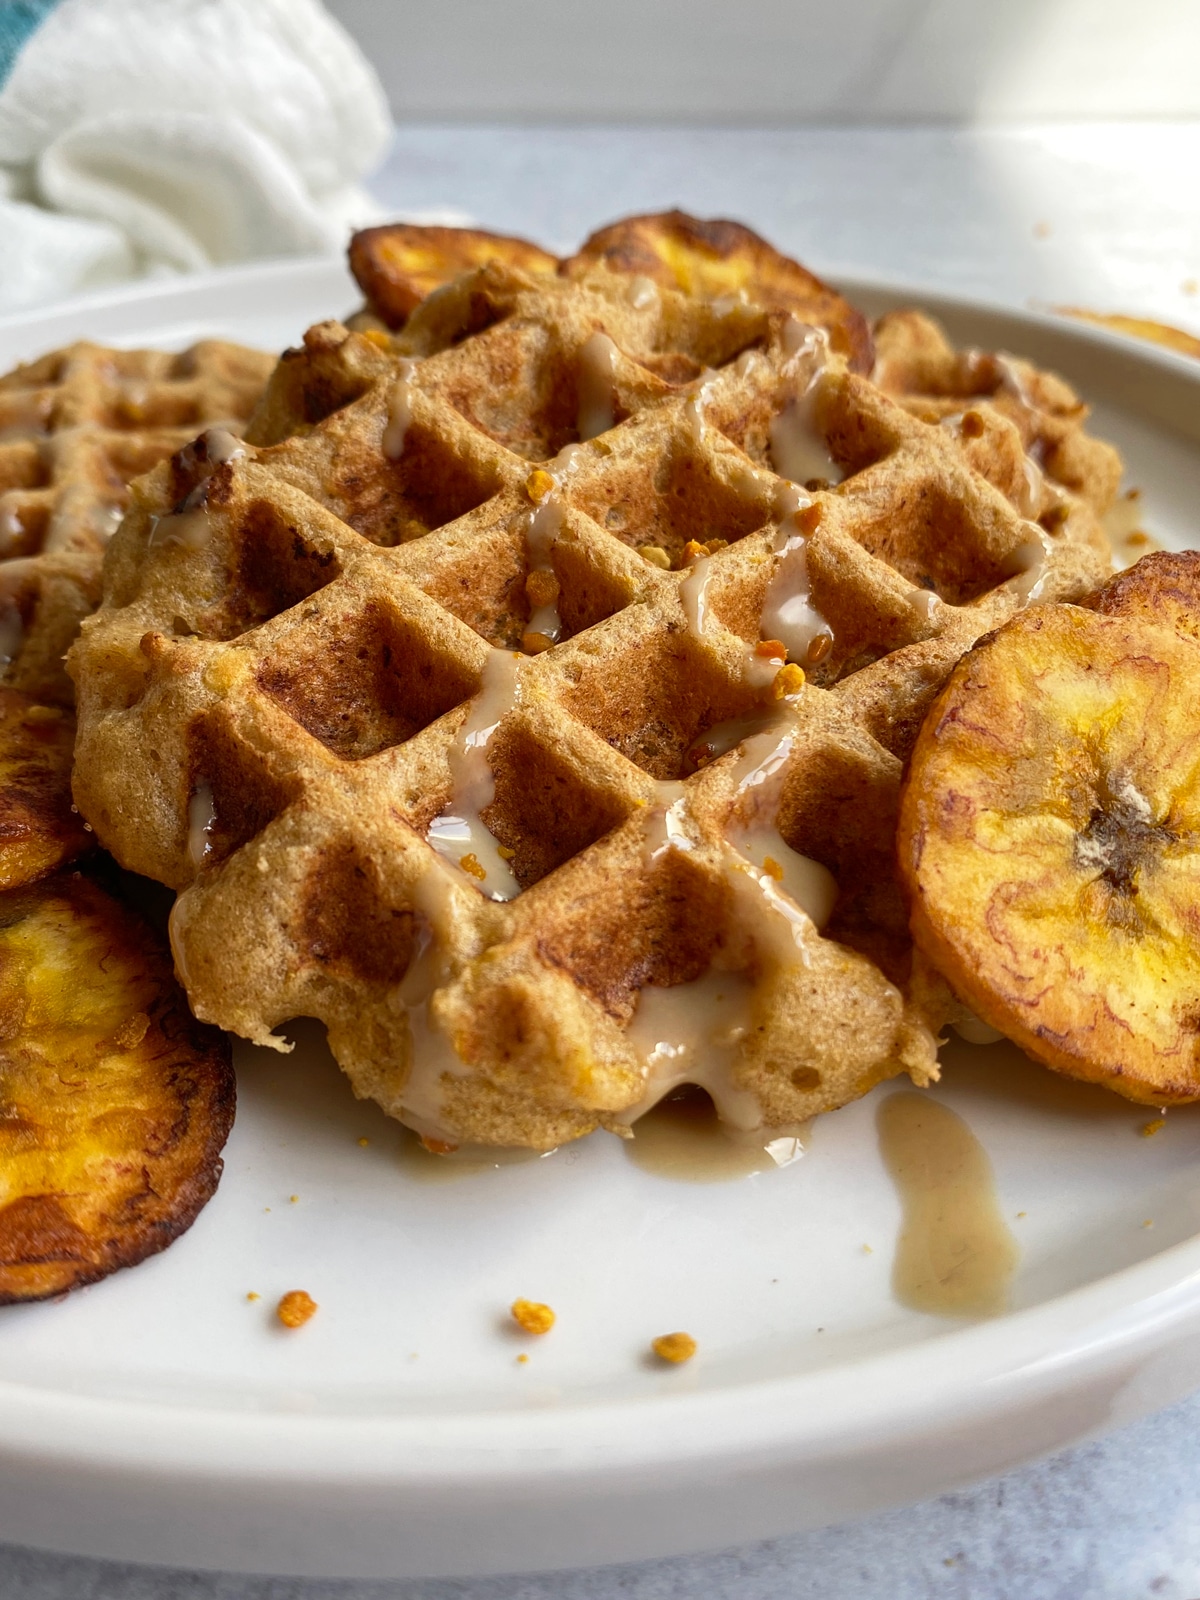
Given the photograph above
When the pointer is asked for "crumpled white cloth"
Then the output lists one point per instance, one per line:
(151, 136)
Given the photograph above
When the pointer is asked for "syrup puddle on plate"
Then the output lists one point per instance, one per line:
(955, 1256)
(681, 1138)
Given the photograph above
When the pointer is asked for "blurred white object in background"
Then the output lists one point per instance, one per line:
(781, 61)
(166, 135)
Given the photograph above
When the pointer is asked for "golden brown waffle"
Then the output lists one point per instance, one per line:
(917, 365)
(75, 428)
(349, 693)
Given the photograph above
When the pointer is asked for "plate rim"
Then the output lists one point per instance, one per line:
(1098, 1330)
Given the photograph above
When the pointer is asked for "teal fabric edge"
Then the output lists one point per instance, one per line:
(19, 19)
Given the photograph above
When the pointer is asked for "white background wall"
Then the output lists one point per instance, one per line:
(782, 61)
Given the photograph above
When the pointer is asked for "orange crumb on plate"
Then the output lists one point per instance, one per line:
(674, 1347)
(296, 1308)
(532, 1316)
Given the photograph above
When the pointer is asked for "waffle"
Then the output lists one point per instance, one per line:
(75, 428)
(917, 365)
(460, 719)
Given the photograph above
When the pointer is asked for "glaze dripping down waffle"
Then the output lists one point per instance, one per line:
(76, 427)
(528, 701)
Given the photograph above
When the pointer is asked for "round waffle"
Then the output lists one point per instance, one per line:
(76, 427)
(535, 715)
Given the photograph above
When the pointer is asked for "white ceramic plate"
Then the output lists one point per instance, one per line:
(162, 1416)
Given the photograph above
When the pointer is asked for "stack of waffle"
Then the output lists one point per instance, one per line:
(528, 699)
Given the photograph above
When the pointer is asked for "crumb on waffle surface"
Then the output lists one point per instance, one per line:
(273, 699)
(76, 426)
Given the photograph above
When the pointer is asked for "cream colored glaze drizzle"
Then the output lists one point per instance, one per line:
(797, 449)
(597, 386)
(542, 529)
(1038, 495)
(691, 1033)
(105, 520)
(399, 410)
(643, 292)
(223, 446)
(925, 603)
(974, 1029)
(1013, 383)
(460, 831)
(692, 594)
(202, 814)
(788, 613)
(693, 412)
(683, 1139)
(189, 527)
(795, 882)
(955, 1256)
(566, 461)
(432, 1053)
(802, 879)
(722, 737)
(1031, 560)
(663, 826)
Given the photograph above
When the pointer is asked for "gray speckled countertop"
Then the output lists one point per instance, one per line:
(1097, 215)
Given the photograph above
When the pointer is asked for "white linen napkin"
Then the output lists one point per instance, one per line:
(151, 136)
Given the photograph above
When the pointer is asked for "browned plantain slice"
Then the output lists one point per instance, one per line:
(709, 259)
(1049, 836)
(39, 827)
(1162, 333)
(114, 1101)
(398, 264)
(1162, 588)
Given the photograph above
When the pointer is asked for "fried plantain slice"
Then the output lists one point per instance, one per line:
(114, 1101)
(710, 259)
(39, 828)
(1162, 333)
(398, 264)
(1049, 840)
(1162, 588)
